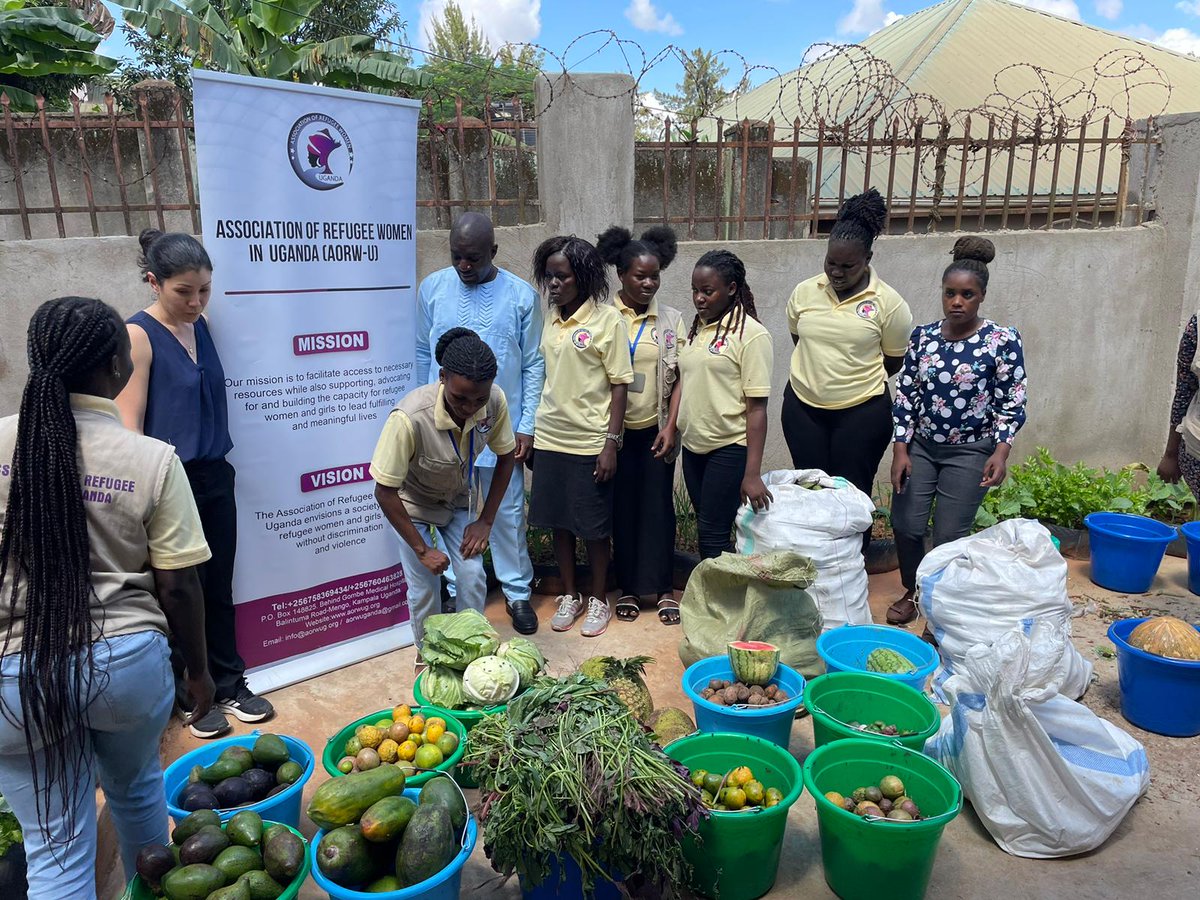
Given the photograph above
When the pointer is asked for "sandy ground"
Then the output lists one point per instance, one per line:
(1155, 852)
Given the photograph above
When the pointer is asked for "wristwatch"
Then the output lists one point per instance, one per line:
(618, 439)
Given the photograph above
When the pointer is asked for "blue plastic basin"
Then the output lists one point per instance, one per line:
(1126, 550)
(284, 807)
(772, 723)
(846, 649)
(1191, 534)
(1157, 694)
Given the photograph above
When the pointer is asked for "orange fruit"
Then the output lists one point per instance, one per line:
(407, 750)
(387, 750)
(448, 743)
(417, 723)
(428, 757)
(739, 776)
(401, 712)
(433, 732)
(733, 798)
(435, 720)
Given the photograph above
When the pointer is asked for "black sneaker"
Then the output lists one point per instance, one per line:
(213, 724)
(524, 619)
(247, 706)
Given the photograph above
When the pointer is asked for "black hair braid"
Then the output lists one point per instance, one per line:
(461, 351)
(45, 548)
(168, 255)
(618, 248)
(733, 270)
(591, 279)
(972, 254)
(860, 219)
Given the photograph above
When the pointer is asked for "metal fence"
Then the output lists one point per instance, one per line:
(101, 170)
(760, 180)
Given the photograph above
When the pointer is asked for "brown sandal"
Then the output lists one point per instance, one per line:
(903, 610)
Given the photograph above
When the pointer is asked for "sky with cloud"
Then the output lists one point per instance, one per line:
(766, 32)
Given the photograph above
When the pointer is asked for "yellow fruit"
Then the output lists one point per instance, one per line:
(428, 757)
(433, 732)
(407, 750)
(754, 792)
(383, 724)
(772, 797)
(401, 712)
(448, 743)
(369, 736)
(435, 720)
(387, 750)
(739, 776)
(417, 724)
(733, 798)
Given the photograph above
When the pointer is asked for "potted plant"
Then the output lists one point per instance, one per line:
(12, 855)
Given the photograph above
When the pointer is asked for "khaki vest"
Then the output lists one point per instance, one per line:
(122, 475)
(436, 484)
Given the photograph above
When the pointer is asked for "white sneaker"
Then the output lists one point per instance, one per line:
(569, 608)
(598, 614)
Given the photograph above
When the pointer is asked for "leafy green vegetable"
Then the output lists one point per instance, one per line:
(490, 679)
(458, 639)
(525, 656)
(442, 686)
(568, 771)
(10, 828)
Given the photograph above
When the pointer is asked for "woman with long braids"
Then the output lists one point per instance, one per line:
(851, 331)
(99, 543)
(177, 394)
(580, 422)
(426, 480)
(725, 377)
(643, 488)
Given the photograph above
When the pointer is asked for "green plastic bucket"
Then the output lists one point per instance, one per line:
(139, 890)
(839, 698)
(468, 718)
(336, 745)
(736, 854)
(866, 859)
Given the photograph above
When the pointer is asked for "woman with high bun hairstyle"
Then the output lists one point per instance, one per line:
(643, 487)
(850, 330)
(960, 401)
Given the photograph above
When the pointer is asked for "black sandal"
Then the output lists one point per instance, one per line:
(628, 608)
(668, 615)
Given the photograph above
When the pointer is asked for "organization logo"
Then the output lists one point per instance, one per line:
(867, 309)
(669, 338)
(717, 346)
(581, 338)
(484, 425)
(320, 151)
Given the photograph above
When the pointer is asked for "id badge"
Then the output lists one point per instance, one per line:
(639, 383)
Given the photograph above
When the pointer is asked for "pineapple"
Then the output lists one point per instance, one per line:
(624, 676)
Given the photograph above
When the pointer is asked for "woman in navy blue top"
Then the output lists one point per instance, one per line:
(960, 400)
(177, 394)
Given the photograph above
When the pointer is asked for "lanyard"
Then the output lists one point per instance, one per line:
(633, 344)
(469, 465)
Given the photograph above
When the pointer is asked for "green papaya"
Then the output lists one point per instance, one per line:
(283, 856)
(236, 861)
(245, 828)
(193, 823)
(236, 891)
(427, 846)
(445, 792)
(194, 882)
(240, 755)
(340, 801)
(384, 885)
(386, 820)
(220, 770)
(289, 773)
(203, 846)
(261, 886)
(344, 857)
(270, 750)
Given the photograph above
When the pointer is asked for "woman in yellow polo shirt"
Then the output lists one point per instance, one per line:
(725, 379)
(851, 331)
(579, 421)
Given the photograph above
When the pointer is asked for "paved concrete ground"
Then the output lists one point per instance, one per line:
(1154, 853)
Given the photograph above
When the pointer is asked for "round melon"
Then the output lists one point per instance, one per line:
(1167, 636)
(753, 662)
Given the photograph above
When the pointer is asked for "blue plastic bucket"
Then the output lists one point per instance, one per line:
(1157, 694)
(445, 885)
(1126, 550)
(771, 723)
(845, 649)
(1191, 534)
(565, 879)
(284, 807)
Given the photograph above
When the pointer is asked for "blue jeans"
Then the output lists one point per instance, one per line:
(424, 588)
(509, 543)
(125, 714)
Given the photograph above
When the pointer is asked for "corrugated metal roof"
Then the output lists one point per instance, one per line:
(985, 56)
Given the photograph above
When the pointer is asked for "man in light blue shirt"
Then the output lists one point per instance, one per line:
(503, 309)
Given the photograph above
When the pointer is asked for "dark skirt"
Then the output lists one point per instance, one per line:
(643, 517)
(565, 495)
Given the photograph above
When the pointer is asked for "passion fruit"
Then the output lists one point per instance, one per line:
(367, 759)
(835, 798)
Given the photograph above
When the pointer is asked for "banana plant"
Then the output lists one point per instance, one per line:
(251, 37)
(46, 40)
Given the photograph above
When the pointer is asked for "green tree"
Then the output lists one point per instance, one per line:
(49, 49)
(333, 18)
(152, 59)
(702, 89)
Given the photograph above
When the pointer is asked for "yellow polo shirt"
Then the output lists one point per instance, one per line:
(397, 445)
(716, 375)
(585, 356)
(838, 359)
(642, 408)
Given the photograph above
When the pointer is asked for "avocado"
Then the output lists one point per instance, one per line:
(236, 861)
(203, 846)
(194, 882)
(289, 773)
(261, 886)
(427, 845)
(194, 774)
(153, 862)
(384, 885)
(269, 831)
(245, 829)
(220, 770)
(445, 792)
(198, 796)
(278, 789)
(240, 755)
(233, 792)
(193, 823)
(283, 856)
(344, 858)
(260, 781)
(231, 892)
(270, 750)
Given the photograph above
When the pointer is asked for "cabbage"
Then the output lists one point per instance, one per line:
(525, 656)
(458, 639)
(443, 687)
(490, 680)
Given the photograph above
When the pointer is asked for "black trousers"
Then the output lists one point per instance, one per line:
(212, 486)
(846, 442)
(714, 482)
(643, 517)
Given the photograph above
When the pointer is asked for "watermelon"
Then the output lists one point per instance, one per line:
(889, 662)
(1168, 637)
(753, 662)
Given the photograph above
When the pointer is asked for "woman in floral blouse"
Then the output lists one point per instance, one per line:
(960, 401)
